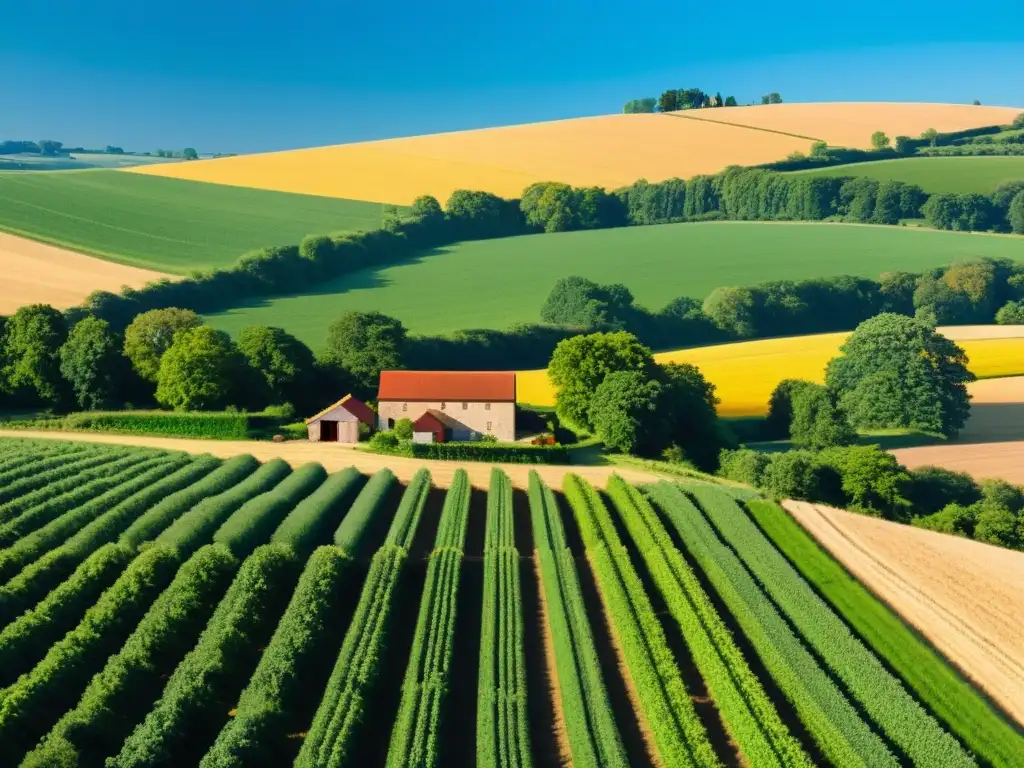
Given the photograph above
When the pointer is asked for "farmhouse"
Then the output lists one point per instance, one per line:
(339, 423)
(449, 405)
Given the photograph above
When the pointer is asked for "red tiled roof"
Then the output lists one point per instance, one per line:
(448, 386)
(353, 405)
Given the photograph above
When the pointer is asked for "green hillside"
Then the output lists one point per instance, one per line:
(166, 224)
(496, 283)
(936, 174)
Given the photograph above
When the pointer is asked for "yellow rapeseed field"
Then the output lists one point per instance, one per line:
(746, 372)
(609, 151)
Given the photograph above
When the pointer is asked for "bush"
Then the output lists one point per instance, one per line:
(817, 421)
(403, 429)
(216, 425)
(792, 475)
(996, 525)
(499, 453)
(1016, 214)
(933, 489)
(744, 466)
(954, 519)
(1011, 313)
(780, 409)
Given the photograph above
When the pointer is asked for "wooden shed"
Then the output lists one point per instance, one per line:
(428, 428)
(339, 422)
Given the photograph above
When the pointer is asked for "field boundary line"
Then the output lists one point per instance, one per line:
(741, 125)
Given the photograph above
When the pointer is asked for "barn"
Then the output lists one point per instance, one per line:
(339, 422)
(466, 404)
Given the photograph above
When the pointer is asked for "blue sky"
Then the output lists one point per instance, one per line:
(256, 76)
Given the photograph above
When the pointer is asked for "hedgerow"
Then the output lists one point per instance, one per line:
(24, 641)
(355, 527)
(679, 735)
(461, 451)
(67, 481)
(590, 725)
(833, 722)
(149, 525)
(188, 715)
(896, 713)
(195, 527)
(502, 725)
(118, 697)
(341, 713)
(308, 523)
(69, 517)
(42, 575)
(253, 522)
(747, 713)
(257, 734)
(424, 690)
(30, 706)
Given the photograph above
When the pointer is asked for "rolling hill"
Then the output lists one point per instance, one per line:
(609, 151)
(496, 283)
(936, 174)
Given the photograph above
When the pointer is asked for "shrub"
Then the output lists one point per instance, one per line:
(403, 429)
(954, 519)
(817, 421)
(996, 525)
(744, 466)
(793, 475)
(780, 409)
(934, 488)
(1011, 313)
(506, 453)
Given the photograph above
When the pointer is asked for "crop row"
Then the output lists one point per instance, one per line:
(354, 532)
(341, 714)
(414, 738)
(194, 528)
(257, 734)
(42, 575)
(185, 720)
(901, 718)
(119, 696)
(36, 472)
(69, 485)
(255, 520)
(70, 517)
(843, 736)
(307, 524)
(29, 707)
(679, 735)
(502, 727)
(590, 725)
(747, 712)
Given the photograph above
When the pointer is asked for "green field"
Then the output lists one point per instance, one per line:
(496, 283)
(77, 161)
(936, 174)
(166, 224)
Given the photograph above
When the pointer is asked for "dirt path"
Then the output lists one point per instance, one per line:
(962, 595)
(36, 273)
(334, 456)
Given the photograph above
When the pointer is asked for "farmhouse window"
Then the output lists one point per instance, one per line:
(488, 426)
(405, 406)
(465, 406)
(487, 406)
(443, 405)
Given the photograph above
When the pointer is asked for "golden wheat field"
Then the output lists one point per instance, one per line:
(745, 373)
(609, 151)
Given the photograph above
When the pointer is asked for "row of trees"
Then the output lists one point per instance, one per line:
(675, 99)
(41, 147)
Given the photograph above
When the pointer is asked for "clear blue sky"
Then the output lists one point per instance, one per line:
(257, 76)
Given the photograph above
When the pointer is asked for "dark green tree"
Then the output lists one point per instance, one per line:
(637, 106)
(364, 344)
(624, 412)
(780, 409)
(930, 135)
(897, 371)
(733, 310)
(871, 480)
(934, 488)
(687, 416)
(730, 101)
(426, 207)
(189, 153)
(668, 101)
(203, 370)
(1011, 313)
(904, 145)
(817, 422)
(954, 519)
(284, 363)
(879, 140)
(150, 335)
(1016, 214)
(581, 303)
(996, 525)
(92, 363)
(30, 355)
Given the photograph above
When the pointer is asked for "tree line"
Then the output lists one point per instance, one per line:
(675, 99)
(50, 147)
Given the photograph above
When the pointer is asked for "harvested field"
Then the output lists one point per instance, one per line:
(34, 273)
(963, 596)
(850, 124)
(999, 459)
(338, 456)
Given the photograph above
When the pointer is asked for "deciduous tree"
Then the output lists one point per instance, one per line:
(150, 335)
(364, 344)
(879, 140)
(30, 354)
(624, 412)
(92, 363)
(202, 370)
(285, 363)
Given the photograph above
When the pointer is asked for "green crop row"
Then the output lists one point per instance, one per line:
(936, 682)
(502, 726)
(187, 717)
(195, 527)
(341, 713)
(257, 734)
(156, 519)
(74, 516)
(679, 735)
(306, 526)
(355, 528)
(120, 695)
(590, 725)
(902, 719)
(424, 690)
(253, 523)
(56, 483)
(24, 641)
(26, 473)
(748, 714)
(843, 736)
(31, 705)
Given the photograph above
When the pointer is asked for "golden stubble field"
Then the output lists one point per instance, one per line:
(36, 273)
(965, 597)
(609, 151)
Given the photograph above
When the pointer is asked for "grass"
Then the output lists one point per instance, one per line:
(496, 283)
(934, 681)
(166, 224)
(936, 174)
(77, 161)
